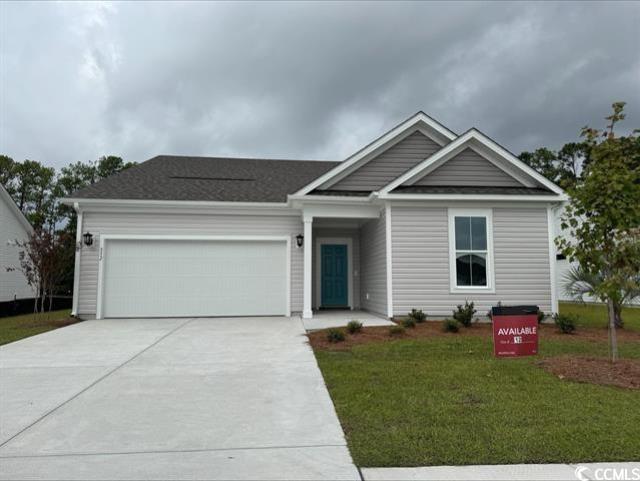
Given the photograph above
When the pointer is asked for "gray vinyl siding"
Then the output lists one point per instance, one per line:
(470, 169)
(390, 164)
(182, 224)
(373, 280)
(13, 284)
(420, 249)
(354, 235)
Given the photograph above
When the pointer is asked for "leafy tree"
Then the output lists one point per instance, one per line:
(603, 216)
(109, 165)
(7, 173)
(542, 160)
(563, 167)
(37, 191)
(43, 260)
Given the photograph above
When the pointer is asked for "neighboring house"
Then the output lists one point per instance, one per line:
(419, 218)
(563, 266)
(13, 226)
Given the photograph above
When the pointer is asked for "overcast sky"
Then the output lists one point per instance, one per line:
(304, 80)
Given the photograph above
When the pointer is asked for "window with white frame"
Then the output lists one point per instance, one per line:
(470, 245)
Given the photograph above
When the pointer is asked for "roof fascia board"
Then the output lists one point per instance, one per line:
(457, 146)
(476, 197)
(15, 210)
(195, 207)
(167, 203)
(375, 145)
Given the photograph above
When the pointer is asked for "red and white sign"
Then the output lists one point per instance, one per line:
(515, 335)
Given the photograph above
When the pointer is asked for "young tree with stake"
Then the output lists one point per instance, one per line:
(603, 216)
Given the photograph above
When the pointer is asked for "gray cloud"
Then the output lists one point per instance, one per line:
(304, 80)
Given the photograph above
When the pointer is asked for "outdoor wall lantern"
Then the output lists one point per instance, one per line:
(88, 238)
(299, 240)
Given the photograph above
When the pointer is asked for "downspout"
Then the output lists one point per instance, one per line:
(552, 256)
(76, 268)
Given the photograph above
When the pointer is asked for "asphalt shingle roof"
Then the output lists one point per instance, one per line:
(169, 177)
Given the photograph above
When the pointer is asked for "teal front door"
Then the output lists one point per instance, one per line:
(334, 282)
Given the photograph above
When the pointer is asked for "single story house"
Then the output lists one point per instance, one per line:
(13, 226)
(419, 218)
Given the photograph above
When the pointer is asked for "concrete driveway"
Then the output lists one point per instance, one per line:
(238, 398)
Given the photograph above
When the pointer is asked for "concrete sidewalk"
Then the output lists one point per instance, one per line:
(509, 472)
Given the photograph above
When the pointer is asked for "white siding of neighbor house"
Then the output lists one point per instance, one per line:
(183, 224)
(390, 164)
(354, 235)
(420, 248)
(13, 285)
(373, 280)
(468, 168)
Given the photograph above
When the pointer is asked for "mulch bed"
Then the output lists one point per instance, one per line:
(428, 329)
(624, 373)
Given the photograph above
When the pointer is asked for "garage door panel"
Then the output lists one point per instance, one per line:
(149, 278)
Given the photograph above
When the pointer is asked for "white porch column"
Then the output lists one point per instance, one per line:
(308, 249)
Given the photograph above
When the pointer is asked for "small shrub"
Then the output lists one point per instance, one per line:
(409, 322)
(450, 325)
(396, 330)
(354, 326)
(490, 315)
(335, 335)
(418, 315)
(464, 314)
(540, 316)
(566, 323)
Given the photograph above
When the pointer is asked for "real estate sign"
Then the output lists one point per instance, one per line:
(515, 331)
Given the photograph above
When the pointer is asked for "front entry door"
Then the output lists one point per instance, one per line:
(334, 282)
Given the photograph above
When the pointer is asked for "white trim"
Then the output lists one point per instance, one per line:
(165, 203)
(16, 211)
(418, 118)
(552, 259)
(453, 284)
(330, 199)
(76, 267)
(106, 237)
(457, 145)
(348, 241)
(368, 211)
(475, 197)
(389, 258)
(307, 274)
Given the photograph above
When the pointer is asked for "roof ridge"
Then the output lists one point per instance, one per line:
(239, 158)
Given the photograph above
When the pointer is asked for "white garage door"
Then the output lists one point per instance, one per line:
(185, 278)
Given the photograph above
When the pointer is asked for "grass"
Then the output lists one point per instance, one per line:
(595, 315)
(446, 400)
(18, 327)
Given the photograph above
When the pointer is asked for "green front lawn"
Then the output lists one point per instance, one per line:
(595, 315)
(445, 400)
(19, 327)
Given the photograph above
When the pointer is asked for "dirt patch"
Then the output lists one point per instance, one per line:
(428, 329)
(56, 323)
(625, 373)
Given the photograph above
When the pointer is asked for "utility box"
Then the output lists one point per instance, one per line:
(515, 330)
